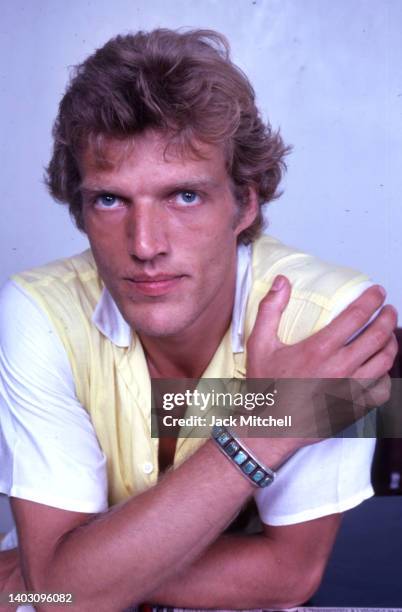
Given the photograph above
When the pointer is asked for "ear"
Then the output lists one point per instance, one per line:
(248, 212)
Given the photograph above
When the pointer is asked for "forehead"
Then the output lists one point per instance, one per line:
(152, 153)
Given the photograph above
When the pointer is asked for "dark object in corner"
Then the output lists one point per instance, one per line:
(386, 473)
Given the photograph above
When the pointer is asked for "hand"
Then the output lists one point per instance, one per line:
(326, 355)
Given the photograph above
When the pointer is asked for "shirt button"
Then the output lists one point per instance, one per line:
(148, 467)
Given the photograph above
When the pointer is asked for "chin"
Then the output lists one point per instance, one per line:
(156, 330)
(157, 326)
(161, 319)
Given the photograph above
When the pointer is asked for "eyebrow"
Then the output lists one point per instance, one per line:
(91, 189)
(94, 190)
(192, 184)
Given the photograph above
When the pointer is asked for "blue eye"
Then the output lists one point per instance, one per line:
(187, 197)
(107, 200)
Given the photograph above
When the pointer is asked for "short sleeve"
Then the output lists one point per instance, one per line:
(325, 478)
(49, 452)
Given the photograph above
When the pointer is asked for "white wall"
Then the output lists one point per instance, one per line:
(328, 73)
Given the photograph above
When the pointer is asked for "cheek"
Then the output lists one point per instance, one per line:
(216, 236)
(106, 236)
(214, 257)
(107, 254)
(100, 230)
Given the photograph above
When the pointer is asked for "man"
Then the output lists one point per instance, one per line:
(165, 163)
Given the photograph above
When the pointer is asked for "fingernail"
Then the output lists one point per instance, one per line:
(278, 283)
(381, 290)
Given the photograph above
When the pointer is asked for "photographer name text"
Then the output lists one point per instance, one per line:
(229, 421)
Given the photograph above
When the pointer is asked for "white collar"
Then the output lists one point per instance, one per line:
(110, 322)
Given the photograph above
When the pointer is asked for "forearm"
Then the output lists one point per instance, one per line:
(10, 576)
(123, 555)
(238, 572)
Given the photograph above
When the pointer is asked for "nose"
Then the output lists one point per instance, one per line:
(146, 232)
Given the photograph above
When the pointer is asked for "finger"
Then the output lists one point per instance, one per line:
(378, 394)
(367, 394)
(265, 330)
(352, 319)
(363, 400)
(371, 341)
(380, 363)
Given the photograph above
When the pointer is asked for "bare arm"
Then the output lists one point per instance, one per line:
(10, 575)
(122, 555)
(280, 568)
(237, 571)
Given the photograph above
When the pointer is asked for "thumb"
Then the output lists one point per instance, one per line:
(270, 310)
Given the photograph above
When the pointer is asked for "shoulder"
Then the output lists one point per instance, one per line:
(62, 287)
(66, 293)
(70, 275)
(28, 340)
(61, 270)
(20, 316)
(319, 288)
(311, 277)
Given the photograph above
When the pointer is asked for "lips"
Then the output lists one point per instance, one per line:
(148, 278)
(159, 284)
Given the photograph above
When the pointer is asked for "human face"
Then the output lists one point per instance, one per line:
(163, 230)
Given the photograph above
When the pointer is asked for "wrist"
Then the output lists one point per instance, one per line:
(242, 457)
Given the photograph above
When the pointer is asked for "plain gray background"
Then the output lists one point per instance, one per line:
(328, 73)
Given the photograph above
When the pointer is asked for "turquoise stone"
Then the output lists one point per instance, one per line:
(223, 438)
(266, 481)
(231, 448)
(259, 475)
(249, 466)
(240, 457)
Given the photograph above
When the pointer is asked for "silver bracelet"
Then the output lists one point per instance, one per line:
(242, 458)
